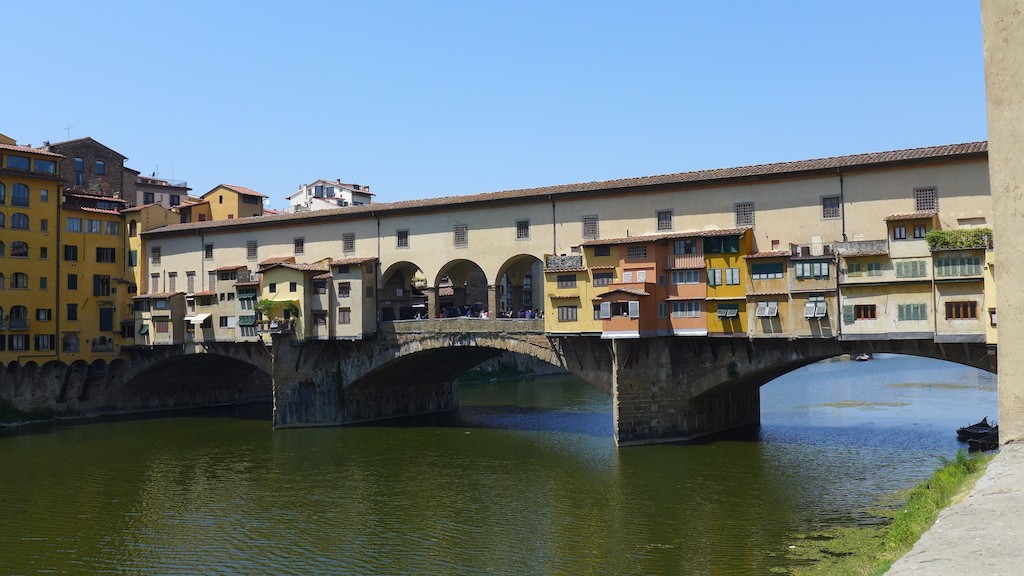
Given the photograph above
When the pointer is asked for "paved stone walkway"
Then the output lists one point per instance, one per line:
(984, 534)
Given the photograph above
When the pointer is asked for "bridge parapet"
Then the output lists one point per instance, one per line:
(466, 325)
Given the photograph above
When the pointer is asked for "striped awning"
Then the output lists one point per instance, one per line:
(246, 293)
(249, 320)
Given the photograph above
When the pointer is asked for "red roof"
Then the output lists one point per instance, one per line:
(29, 150)
(769, 254)
(276, 260)
(226, 268)
(666, 236)
(926, 215)
(354, 261)
(240, 189)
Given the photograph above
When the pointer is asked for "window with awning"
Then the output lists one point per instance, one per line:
(144, 329)
(249, 320)
(245, 293)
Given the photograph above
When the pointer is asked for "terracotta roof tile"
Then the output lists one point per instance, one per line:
(244, 191)
(925, 215)
(324, 276)
(227, 268)
(769, 254)
(666, 236)
(29, 150)
(354, 260)
(276, 259)
(632, 291)
(156, 295)
(579, 269)
(253, 283)
(621, 186)
(299, 267)
(205, 293)
(96, 210)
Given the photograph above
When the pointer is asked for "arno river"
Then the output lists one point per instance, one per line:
(524, 479)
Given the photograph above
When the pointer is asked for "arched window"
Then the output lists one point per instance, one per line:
(19, 249)
(19, 196)
(19, 318)
(2, 283)
(1, 248)
(133, 228)
(3, 193)
(19, 221)
(1, 219)
(19, 280)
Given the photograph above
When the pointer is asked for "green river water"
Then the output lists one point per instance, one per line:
(524, 479)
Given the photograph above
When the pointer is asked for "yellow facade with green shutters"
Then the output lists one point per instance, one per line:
(30, 189)
(727, 277)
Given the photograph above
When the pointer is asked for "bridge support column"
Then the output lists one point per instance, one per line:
(431, 294)
(493, 293)
(671, 389)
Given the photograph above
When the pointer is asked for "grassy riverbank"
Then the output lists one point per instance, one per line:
(871, 550)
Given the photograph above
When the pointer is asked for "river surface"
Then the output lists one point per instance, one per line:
(524, 479)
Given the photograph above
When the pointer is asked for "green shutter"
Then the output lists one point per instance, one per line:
(848, 317)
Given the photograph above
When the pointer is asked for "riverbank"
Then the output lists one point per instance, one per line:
(872, 550)
(980, 534)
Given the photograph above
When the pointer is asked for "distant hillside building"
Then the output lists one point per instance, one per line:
(153, 190)
(94, 168)
(324, 194)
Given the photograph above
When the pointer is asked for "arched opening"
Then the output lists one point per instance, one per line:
(462, 289)
(196, 380)
(402, 296)
(518, 285)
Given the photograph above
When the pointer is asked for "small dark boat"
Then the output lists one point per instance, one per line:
(976, 431)
(863, 357)
(984, 443)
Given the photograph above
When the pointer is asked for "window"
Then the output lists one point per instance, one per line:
(208, 251)
(768, 309)
(161, 326)
(92, 226)
(105, 255)
(320, 286)
(211, 280)
(299, 245)
(460, 236)
(172, 281)
(72, 281)
(958, 266)
(899, 233)
(100, 285)
(19, 195)
(686, 276)
(864, 312)
(344, 289)
(348, 242)
(101, 167)
(714, 276)
(44, 225)
(830, 207)
(133, 258)
(567, 313)
(591, 228)
(190, 281)
(79, 164)
(664, 220)
(154, 283)
(522, 229)
(319, 318)
(1, 219)
(72, 311)
(222, 321)
(728, 310)
(19, 249)
(112, 228)
(148, 198)
(3, 193)
(815, 307)
(687, 246)
(69, 342)
(17, 162)
(566, 280)
(45, 341)
(855, 269)
(293, 286)
(401, 238)
(272, 287)
(912, 269)
(43, 314)
(636, 252)
(603, 278)
(44, 253)
(174, 199)
(744, 213)
(19, 221)
(874, 268)
(344, 315)
(602, 250)
(963, 310)
(722, 245)
(912, 311)
(732, 276)
(74, 225)
(767, 271)
(811, 269)
(920, 231)
(925, 199)
(686, 309)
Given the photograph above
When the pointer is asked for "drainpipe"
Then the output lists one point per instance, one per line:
(842, 202)
(554, 226)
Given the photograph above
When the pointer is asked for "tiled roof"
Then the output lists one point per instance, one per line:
(604, 267)
(97, 210)
(299, 267)
(205, 293)
(276, 259)
(137, 208)
(665, 236)
(621, 186)
(911, 216)
(29, 150)
(574, 269)
(769, 254)
(97, 196)
(354, 261)
(633, 291)
(324, 276)
(227, 268)
(88, 138)
(253, 283)
(156, 295)
(240, 189)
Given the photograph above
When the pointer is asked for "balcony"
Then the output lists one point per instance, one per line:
(684, 261)
(862, 248)
(563, 262)
(17, 324)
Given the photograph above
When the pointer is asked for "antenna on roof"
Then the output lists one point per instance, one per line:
(68, 129)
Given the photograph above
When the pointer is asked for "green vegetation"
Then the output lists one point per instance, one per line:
(9, 414)
(959, 238)
(871, 550)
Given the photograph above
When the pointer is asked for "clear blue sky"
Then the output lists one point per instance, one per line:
(421, 99)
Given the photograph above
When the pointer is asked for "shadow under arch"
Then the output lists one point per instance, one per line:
(516, 281)
(461, 283)
(194, 380)
(401, 296)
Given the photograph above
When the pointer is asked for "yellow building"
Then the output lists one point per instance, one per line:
(30, 306)
(727, 273)
(227, 202)
(95, 283)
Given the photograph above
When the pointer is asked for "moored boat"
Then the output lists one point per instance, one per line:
(976, 431)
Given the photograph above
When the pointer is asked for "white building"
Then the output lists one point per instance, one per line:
(324, 194)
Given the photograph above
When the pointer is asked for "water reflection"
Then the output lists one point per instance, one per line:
(523, 479)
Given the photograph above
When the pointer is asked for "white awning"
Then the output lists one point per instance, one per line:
(198, 318)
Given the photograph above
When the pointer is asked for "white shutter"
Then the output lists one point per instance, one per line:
(634, 309)
(606, 310)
